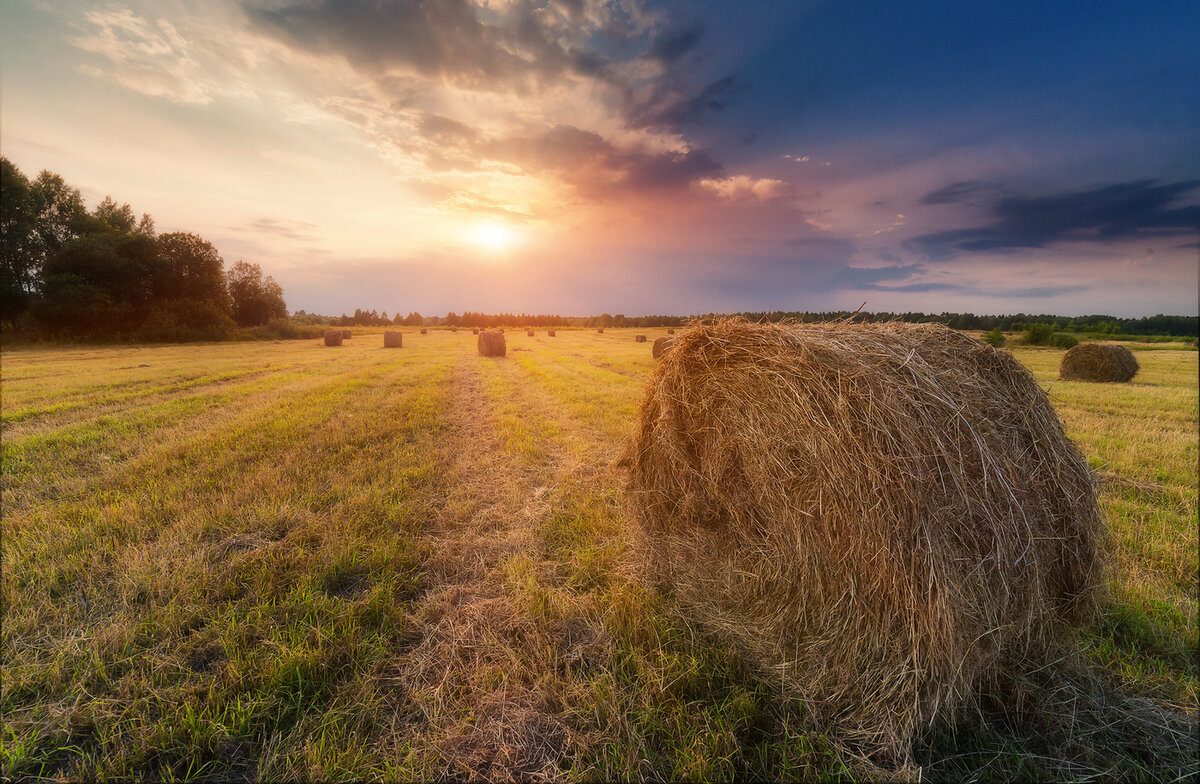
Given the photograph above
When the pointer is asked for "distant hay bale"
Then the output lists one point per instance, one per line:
(491, 344)
(549, 333)
(529, 333)
(393, 340)
(670, 332)
(640, 339)
(347, 334)
(1098, 362)
(333, 337)
(661, 345)
(886, 518)
(474, 332)
(424, 331)
(454, 329)
(600, 330)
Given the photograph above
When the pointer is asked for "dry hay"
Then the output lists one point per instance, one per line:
(347, 334)
(491, 344)
(640, 339)
(424, 331)
(549, 333)
(1098, 362)
(529, 333)
(393, 340)
(670, 332)
(333, 337)
(886, 518)
(661, 346)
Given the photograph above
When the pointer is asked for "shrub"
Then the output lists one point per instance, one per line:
(1037, 334)
(994, 338)
(1063, 340)
(184, 320)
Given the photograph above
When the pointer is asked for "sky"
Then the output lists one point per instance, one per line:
(638, 157)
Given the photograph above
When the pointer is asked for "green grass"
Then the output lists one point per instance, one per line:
(277, 560)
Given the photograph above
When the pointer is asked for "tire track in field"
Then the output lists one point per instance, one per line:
(478, 672)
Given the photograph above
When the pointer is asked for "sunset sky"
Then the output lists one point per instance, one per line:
(578, 157)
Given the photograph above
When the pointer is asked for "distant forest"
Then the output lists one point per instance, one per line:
(104, 273)
(1178, 326)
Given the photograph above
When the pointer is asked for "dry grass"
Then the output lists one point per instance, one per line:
(888, 517)
(491, 344)
(272, 562)
(1098, 362)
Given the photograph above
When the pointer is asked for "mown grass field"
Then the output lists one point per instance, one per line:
(271, 561)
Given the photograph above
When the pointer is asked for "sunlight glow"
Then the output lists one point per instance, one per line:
(494, 236)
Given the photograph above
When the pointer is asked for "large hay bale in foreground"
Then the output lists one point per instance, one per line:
(393, 339)
(333, 337)
(1098, 362)
(661, 346)
(491, 344)
(887, 518)
(639, 339)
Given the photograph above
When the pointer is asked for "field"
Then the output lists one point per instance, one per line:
(275, 560)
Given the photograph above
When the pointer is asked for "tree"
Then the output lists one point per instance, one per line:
(61, 215)
(20, 243)
(254, 299)
(116, 217)
(192, 269)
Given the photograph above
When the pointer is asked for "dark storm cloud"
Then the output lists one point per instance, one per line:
(1140, 208)
(672, 108)
(955, 192)
(669, 47)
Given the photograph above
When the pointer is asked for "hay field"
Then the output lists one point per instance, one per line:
(280, 560)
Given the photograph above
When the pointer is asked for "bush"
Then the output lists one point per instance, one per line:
(1037, 334)
(287, 329)
(185, 320)
(995, 338)
(1062, 340)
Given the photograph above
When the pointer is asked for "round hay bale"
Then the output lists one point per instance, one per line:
(661, 346)
(491, 344)
(333, 337)
(529, 333)
(600, 330)
(424, 331)
(1098, 362)
(393, 339)
(639, 339)
(549, 333)
(474, 332)
(347, 334)
(670, 332)
(454, 329)
(886, 518)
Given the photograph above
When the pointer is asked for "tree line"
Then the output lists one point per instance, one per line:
(105, 273)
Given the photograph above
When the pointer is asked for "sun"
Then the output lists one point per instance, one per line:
(494, 236)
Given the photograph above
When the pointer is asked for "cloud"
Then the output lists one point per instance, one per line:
(672, 108)
(744, 188)
(288, 229)
(1140, 208)
(669, 47)
(956, 192)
